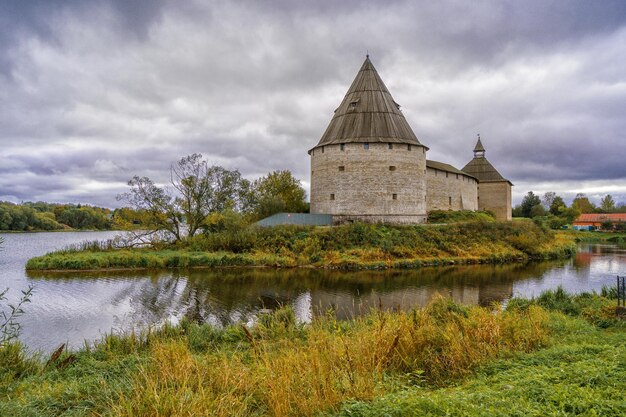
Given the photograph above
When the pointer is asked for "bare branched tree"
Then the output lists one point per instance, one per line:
(197, 189)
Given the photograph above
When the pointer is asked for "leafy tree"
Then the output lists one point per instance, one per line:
(548, 199)
(557, 205)
(582, 204)
(277, 192)
(569, 213)
(529, 202)
(607, 204)
(537, 211)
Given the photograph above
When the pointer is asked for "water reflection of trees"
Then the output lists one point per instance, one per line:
(227, 295)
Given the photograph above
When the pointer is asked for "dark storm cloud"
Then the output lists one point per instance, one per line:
(93, 92)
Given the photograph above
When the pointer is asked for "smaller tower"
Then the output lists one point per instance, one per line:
(494, 191)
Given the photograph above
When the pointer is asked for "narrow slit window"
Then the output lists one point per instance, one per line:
(394, 196)
(446, 175)
(332, 196)
(392, 168)
(408, 147)
(457, 176)
(322, 149)
(390, 146)
(342, 168)
(342, 147)
(450, 201)
(366, 146)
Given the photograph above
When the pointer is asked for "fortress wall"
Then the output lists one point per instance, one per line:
(364, 188)
(496, 197)
(450, 191)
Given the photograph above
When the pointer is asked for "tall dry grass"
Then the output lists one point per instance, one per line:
(281, 368)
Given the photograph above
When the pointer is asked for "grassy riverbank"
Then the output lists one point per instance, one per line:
(355, 246)
(596, 236)
(557, 355)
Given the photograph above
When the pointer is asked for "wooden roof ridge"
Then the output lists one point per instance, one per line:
(368, 113)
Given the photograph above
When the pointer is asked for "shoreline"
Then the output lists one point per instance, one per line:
(385, 362)
(350, 247)
(417, 264)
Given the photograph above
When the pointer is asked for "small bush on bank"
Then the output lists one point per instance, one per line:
(450, 216)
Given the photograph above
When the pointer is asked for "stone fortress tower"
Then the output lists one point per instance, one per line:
(369, 165)
(494, 191)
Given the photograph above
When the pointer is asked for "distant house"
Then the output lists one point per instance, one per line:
(592, 221)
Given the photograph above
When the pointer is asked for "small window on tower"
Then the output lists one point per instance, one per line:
(366, 146)
(408, 147)
(332, 196)
(450, 201)
(322, 149)
(342, 168)
(394, 196)
(353, 104)
(342, 147)
(390, 146)
(392, 168)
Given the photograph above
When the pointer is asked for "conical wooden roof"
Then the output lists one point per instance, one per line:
(479, 146)
(481, 168)
(368, 113)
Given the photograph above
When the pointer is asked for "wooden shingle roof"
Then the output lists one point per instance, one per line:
(441, 166)
(481, 168)
(368, 113)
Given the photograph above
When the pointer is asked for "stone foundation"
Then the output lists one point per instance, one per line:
(386, 219)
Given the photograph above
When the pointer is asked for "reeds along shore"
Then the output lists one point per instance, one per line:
(354, 246)
(392, 363)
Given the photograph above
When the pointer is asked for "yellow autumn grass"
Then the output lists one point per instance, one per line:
(286, 369)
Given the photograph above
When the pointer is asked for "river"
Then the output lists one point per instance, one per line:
(79, 307)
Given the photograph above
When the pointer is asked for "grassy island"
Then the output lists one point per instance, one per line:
(555, 355)
(353, 246)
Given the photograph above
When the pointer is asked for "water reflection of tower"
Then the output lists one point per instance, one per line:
(346, 304)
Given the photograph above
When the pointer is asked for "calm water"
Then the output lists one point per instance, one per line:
(74, 307)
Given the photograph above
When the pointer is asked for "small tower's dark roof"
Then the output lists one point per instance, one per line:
(481, 168)
(368, 113)
(479, 146)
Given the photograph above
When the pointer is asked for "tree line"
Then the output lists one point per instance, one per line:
(552, 209)
(29, 216)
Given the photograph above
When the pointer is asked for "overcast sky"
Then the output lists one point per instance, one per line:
(93, 92)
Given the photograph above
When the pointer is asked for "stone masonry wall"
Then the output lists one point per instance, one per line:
(369, 184)
(450, 191)
(496, 197)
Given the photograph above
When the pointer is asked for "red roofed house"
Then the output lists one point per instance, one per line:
(592, 221)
